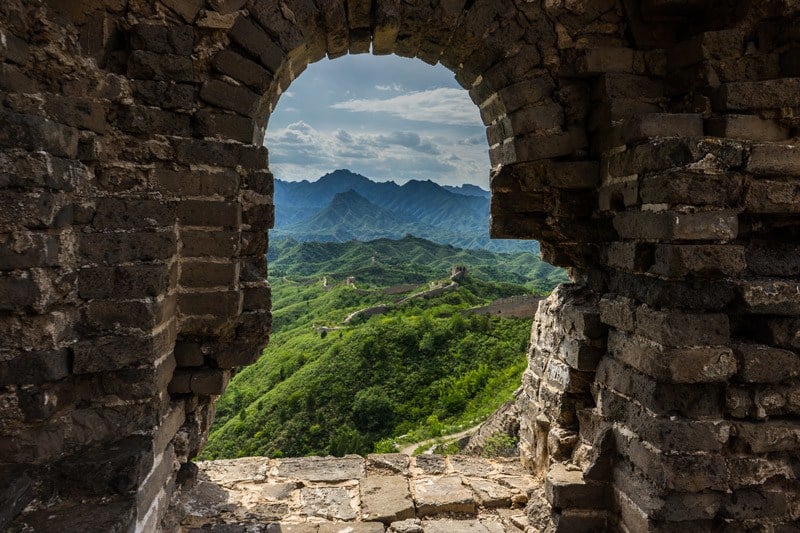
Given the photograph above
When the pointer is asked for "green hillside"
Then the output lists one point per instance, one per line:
(325, 388)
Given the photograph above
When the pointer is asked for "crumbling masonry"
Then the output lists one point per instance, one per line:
(647, 144)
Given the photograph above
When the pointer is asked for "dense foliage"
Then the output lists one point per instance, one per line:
(424, 367)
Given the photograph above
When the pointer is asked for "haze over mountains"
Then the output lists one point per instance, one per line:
(343, 206)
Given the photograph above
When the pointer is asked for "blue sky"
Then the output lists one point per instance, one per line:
(386, 117)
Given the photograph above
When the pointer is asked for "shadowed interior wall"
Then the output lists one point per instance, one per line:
(647, 145)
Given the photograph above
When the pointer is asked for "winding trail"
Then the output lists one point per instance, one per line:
(409, 449)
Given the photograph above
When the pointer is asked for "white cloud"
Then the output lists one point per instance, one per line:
(393, 87)
(300, 151)
(441, 106)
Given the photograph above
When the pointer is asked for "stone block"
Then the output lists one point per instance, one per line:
(35, 133)
(536, 119)
(765, 364)
(219, 303)
(35, 367)
(256, 41)
(682, 261)
(623, 85)
(208, 274)
(655, 125)
(602, 60)
(566, 489)
(767, 94)
(113, 468)
(168, 67)
(441, 495)
(770, 296)
(164, 94)
(534, 147)
(126, 282)
(141, 119)
(206, 182)
(675, 328)
(220, 154)
(386, 499)
(387, 464)
(30, 250)
(684, 187)
(187, 9)
(674, 225)
(224, 214)
(773, 197)
(132, 213)
(140, 313)
(618, 312)
(430, 463)
(702, 364)
(524, 93)
(115, 248)
(750, 127)
(35, 210)
(691, 400)
(78, 112)
(227, 126)
(323, 469)
(330, 503)
(162, 39)
(116, 352)
(233, 97)
(211, 243)
(769, 436)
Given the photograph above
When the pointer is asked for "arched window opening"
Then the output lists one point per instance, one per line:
(398, 324)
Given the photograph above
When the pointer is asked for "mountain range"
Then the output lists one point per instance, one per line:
(343, 206)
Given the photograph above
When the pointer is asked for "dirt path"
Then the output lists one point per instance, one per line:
(409, 449)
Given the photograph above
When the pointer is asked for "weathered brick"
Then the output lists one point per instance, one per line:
(566, 489)
(705, 364)
(227, 126)
(770, 296)
(675, 328)
(256, 41)
(35, 209)
(114, 248)
(187, 9)
(219, 153)
(751, 127)
(234, 97)
(146, 313)
(165, 94)
(29, 250)
(218, 303)
(224, 214)
(150, 66)
(199, 243)
(35, 367)
(686, 187)
(120, 351)
(201, 182)
(769, 436)
(84, 113)
(130, 213)
(674, 226)
(681, 261)
(141, 119)
(35, 133)
(135, 281)
(208, 274)
(765, 364)
(767, 94)
(162, 39)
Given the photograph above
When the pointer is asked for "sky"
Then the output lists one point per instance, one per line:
(386, 117)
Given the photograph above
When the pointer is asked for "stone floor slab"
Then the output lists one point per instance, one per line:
(471, 466)
(381, 464)
(457, 526)
(329, 469)
(352, 527)
(439, 495)
(280, 527)
(430, 464)
(490, 494)
(228, 472)
(386, 499)
(332, 503)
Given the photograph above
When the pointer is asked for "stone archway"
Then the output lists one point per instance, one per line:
(647, 145)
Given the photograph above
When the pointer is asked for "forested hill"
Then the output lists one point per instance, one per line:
(407, 260)
(342, 205)
(423, 367)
